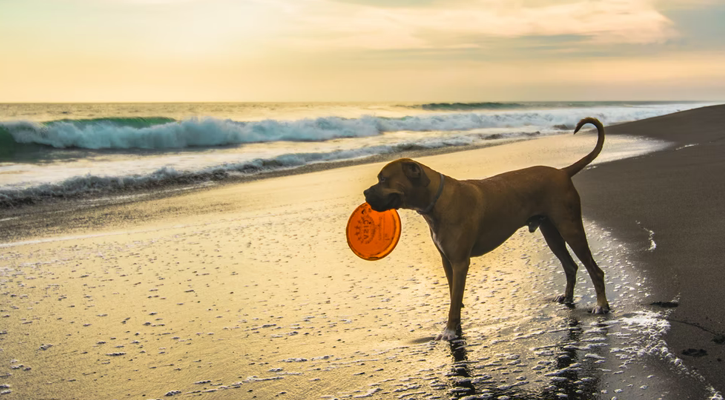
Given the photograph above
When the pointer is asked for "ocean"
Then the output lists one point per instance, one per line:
(51, 151)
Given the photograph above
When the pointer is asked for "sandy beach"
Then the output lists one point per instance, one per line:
(670, 198)
(249, 290)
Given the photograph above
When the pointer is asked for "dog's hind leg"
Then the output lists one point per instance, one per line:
(572, 231)
(558, 247)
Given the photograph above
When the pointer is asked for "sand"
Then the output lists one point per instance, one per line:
(673, 200)
(249, 291)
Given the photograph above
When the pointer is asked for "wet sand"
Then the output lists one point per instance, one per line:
(674, 199)
(249, 291)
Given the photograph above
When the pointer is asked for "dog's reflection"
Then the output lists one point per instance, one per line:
(461, 373)
(571, 375)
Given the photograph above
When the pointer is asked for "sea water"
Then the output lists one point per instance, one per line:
(68, 150)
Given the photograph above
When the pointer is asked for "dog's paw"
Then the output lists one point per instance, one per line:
(447, 334)
(562, 299)
(600, 309)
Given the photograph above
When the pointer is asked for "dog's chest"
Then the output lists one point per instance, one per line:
(434, 226)
(436, 240)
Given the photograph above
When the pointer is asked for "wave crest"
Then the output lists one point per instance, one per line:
(164, 133)
(470, 106)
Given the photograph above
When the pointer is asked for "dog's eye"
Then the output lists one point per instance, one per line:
(381, 179)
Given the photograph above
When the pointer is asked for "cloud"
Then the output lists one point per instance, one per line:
(393, 3)
(328, 24)
(679, 4)
(153, 2)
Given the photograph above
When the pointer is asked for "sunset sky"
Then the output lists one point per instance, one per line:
(361, 50)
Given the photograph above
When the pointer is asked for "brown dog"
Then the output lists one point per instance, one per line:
(470, 218)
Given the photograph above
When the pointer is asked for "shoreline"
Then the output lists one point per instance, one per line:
(16, 207)
(15, 218)
(43, 218)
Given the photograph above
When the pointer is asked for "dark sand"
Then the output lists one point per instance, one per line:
(249, 290)
(679, 194)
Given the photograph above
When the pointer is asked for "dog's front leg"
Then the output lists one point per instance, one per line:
(458, 284)
(448, 270)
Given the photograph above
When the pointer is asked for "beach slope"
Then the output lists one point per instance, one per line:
(669, 205)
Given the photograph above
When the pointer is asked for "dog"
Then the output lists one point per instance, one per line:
(472, 217)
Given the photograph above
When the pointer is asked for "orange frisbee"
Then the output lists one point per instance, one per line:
(373, 235)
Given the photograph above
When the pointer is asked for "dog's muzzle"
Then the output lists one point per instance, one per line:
(381, 203)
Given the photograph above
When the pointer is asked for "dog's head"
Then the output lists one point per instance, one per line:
(401, 184)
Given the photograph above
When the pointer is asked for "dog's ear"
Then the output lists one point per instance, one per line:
(415, 174)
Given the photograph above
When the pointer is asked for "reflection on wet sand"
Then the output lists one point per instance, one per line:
(572, 377)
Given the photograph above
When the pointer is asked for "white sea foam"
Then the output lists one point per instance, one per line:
(651, 233)
(652, 324)
(198, 171)
(118, 176)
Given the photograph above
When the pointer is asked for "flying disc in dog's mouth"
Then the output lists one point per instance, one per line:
(373, 235)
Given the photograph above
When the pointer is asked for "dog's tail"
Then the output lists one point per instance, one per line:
(579, 165)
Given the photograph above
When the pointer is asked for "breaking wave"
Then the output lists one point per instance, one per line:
(165, 133)
(91, 185)
(470, 106)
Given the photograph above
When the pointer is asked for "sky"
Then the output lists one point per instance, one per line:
(361, 50)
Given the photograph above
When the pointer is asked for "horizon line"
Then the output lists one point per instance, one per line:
(364, 101)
